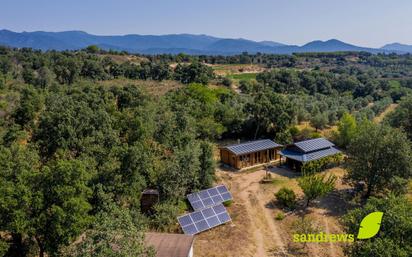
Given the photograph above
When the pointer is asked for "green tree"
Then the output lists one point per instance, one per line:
(93, 49)
(112, 234)
(196, 72)
(77, 121)
(164, 218)
(377, 154)
(66, 69)
(286, 197)
(61, 211)
(319, 121)
(395, 236)
(4, 247)
(315, 186)
(346, 130)
(270, 113)
(19, 169)
(44, 77)
(28, 75)
(30, 104)
(402, 116)
(207, 165)
(92, 69)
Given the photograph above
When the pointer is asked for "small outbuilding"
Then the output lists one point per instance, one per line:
(249, 154)
(299, 153)
(149, 198)
(170, 245)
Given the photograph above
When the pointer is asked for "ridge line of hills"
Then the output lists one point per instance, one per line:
(177, 43)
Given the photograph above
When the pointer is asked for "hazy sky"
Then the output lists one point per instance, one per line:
(364, 22)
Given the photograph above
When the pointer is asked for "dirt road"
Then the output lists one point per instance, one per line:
(248, 190)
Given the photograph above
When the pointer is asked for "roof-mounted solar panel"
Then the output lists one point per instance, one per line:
(253, 146)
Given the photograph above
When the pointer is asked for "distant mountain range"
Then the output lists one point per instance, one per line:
(176, 43)
(398, 47)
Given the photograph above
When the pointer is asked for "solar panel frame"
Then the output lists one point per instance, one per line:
(191, 224)
(314, 144)
(252, 146)
(306, 157)
(209, 197)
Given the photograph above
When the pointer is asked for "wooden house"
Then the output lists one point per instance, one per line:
(249, 154)
(299, 153)
(170, 245)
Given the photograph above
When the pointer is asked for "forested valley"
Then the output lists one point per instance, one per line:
(82, 135)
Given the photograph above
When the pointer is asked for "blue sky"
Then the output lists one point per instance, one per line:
(364, 22)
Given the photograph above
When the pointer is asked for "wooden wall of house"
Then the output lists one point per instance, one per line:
(250, 159)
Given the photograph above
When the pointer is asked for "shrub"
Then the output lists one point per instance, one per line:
(227, 82)
(286, 197)
(228, 203)
(4, 246)
(294, 131)
(279, 216)
(165, 216)
(321, 164)
(314, 186)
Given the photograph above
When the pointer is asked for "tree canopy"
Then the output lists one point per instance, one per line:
(378, 154)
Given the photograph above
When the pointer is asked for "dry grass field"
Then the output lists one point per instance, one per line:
(388, 110)
(229, 69)
(157, 88)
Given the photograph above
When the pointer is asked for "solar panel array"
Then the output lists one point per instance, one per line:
(306, 157)
(314, 144)
(254, 146)
(209, 197)
(204, 219)
(320, 154)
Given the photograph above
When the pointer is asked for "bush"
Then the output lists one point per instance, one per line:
(280, 216)
(286, 197)
(227, 82)
(322, 164)
(294, 131)
(314, 186)
(165, 216)
(4, 246)
(228, 203)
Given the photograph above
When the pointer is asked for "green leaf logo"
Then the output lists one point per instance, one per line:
(370, 225)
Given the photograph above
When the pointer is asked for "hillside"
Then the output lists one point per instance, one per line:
(171, 44)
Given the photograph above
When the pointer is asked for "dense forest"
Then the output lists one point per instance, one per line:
(76, 154)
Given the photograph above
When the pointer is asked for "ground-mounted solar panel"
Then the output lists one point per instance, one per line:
(204, 219)
(209, 197)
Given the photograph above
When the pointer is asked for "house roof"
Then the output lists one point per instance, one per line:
(311, 156)
(313, 144)
(170, 245)
(150, 192)
(253, 146)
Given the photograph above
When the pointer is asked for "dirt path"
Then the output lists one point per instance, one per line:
(247, 189)
(388, 110)
(254, 231)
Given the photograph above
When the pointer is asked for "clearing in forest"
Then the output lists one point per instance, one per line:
(254, 231)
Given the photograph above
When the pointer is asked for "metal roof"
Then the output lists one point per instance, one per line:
(306, 157)
(253, 146)
(313, 144)
(166, 245)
